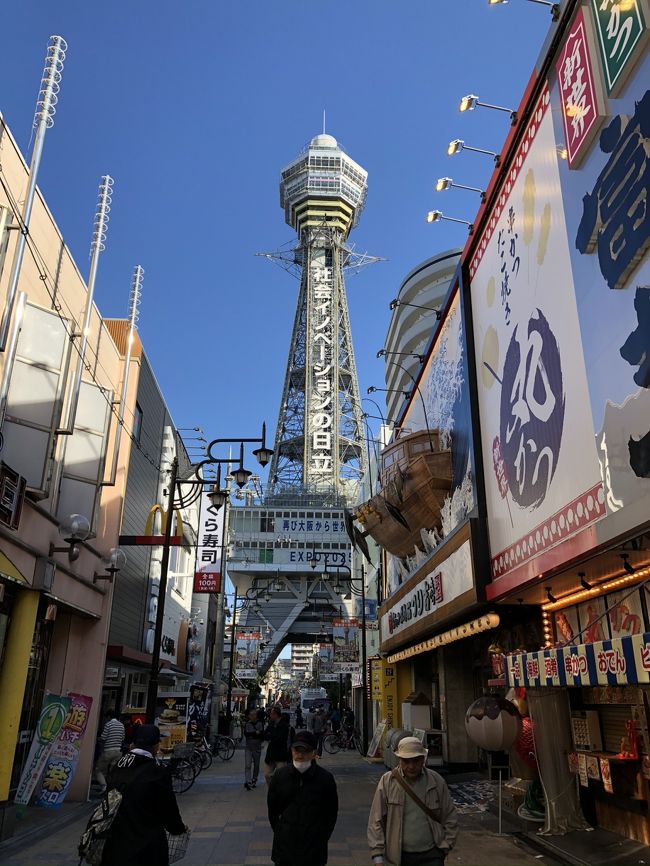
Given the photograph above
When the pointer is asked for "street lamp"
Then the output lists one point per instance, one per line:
(435, 216)
(197, 484)
(458, 144)
(447, 183)
(470, 102)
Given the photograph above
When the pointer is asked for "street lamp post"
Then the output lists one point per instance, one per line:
(240, 476)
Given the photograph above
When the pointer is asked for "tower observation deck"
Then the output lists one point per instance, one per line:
(319, 445)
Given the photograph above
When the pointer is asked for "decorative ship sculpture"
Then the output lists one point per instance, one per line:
(415, 478)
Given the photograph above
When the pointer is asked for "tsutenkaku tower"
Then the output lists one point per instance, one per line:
(319, 443)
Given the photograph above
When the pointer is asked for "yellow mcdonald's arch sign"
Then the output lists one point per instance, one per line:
(157, 508)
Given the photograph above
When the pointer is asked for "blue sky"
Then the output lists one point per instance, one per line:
(195, 113)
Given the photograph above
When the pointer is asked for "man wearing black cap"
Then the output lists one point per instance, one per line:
(148, 808)
(303, 807)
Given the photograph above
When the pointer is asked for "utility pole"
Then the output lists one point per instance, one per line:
(221, 618)
(152, 691)
(231, 676)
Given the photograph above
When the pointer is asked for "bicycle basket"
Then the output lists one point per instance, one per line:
(178, 846)
(183, 750)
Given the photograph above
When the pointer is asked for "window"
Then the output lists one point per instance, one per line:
(267, 522)
(266, 555)
(137, 422)
(136, 690)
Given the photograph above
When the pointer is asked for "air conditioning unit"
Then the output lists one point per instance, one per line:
(12, 496)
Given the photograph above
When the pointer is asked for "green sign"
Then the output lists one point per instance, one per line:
(621, 26)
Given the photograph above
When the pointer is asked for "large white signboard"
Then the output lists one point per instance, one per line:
(445, 582)
(542, 474)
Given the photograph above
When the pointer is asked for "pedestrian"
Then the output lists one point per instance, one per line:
(299, 720)
(413, 820)
(254, 735)
(291, 733)
(148, 807)
(335, 720)
(111, 740)
(303, 806)
(277, 734)
(318, 730)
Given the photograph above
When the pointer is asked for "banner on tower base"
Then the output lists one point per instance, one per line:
(248, 643)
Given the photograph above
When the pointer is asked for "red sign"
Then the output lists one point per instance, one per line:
(207, 581)
(581, 100)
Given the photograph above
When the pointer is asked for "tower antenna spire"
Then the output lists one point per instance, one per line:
(323, 121)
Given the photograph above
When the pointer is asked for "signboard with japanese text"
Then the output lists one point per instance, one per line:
(63, 759)
(207, 574)
(448, 580)
(322, 435)
(346, 648)
(443, 404)
(50, 721)
(622, 29)
(327, 671)
(616, 662)
(542, 476)
(579, 85)
(608, 225)
(198, 711)
(248, 643)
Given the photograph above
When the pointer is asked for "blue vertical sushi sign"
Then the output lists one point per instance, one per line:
(51, 720)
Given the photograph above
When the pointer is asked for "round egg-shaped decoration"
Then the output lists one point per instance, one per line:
(493, 723)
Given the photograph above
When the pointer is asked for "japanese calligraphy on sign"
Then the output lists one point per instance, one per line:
(207, 573)
(582, 104)
(615, 218)
(542, 484)
(510, 262)
(622, 32)
(323, 391)
(532, 410)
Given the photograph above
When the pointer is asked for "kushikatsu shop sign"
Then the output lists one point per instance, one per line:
(616, 662)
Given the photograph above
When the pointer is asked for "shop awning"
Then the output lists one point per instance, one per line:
(475, 626)
(9, 570)
(619, 662)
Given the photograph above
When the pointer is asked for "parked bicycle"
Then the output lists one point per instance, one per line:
(224, 747)
(333, 743)
(183, 771)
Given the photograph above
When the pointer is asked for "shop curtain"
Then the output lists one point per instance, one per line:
(549, 711)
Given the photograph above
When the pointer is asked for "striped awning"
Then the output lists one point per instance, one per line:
(619, 662)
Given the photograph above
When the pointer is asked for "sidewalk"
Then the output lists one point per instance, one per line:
(230, 826)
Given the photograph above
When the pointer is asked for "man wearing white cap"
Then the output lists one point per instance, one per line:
(412, 819)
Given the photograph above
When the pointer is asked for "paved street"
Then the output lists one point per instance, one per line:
(229, 824)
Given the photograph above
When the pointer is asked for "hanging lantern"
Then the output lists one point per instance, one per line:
(493, 723)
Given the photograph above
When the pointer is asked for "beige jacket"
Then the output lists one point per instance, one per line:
(387, 812)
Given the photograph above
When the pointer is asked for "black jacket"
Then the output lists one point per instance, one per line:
(148, 808)
(302, 812)
(278, 749)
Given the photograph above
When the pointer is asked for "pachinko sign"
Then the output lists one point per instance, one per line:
(50, 721)
(63, 759)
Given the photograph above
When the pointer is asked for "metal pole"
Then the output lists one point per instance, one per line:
(134, 303)
(364, 702)
(43, 120)
(152, 692)
(96, 247)
(232, 663)
(221, 620)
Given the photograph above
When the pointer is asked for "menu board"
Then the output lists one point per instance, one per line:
(377, 737)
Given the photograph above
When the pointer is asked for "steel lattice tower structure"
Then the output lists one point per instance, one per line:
(319, 445)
